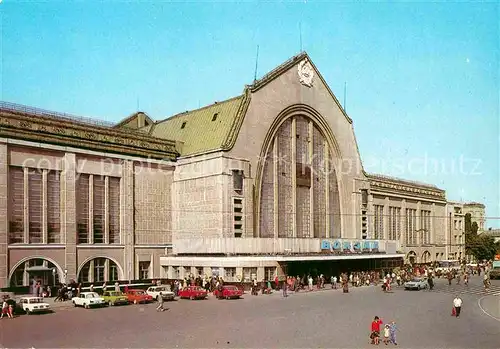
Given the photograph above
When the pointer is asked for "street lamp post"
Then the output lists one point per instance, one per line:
(54, 276)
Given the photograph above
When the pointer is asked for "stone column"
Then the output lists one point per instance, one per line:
(418, 224)
(294, 176)
(386, 219)
(431, 228)
(127, 214)
(4, 221)
(403, 226)
(68, 208)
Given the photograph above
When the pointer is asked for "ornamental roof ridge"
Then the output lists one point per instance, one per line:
(403, 181)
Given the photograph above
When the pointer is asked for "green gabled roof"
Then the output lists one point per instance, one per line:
(202, 130)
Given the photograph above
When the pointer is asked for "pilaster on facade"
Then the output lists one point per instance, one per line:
(403, 225)
(294, 176)
(128, 215)
(431, 227)
(26, 206)
(386, 219)
(106, 211)
(68, 210)
(276, 188)
(418, 224)
(4, 225)
(310, 151)
(370, 210)
(90, 238)
(44, 207)
(327, 188)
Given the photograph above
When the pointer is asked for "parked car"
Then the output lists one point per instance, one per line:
(193, 292)
(138, 296)
(416, 284)
(114, 298)
(88, 299)
(34, 305)
(161, 291)
(229, 292)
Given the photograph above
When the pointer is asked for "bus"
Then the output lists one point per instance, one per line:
(447, 265)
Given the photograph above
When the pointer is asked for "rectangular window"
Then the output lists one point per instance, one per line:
(249, 274)
(229, 274)
(144, 270)
(411, 219)
(16, 205)
(35, 206)
(175, 273)
(379, 221)
(269, 273)
(237, 180)
(98, 209)
(82, 208)
(238, 217)
(54, 207)
(113, 272)
(99, 265)
(114, 210)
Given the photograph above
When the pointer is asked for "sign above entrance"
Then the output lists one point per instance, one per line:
(350, 246)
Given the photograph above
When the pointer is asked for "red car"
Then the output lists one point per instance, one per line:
(193, 292)
(138, 296)
(229, 292)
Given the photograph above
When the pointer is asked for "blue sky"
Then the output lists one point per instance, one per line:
(422, 79)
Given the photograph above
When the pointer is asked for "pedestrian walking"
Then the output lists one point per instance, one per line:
(160, 303)
(393, 330)
(457, 306)
(285, 287)
(375, 330)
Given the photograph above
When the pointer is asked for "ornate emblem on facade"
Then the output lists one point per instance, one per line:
(306, 73)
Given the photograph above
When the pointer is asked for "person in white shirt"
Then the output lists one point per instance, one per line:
(457, 304)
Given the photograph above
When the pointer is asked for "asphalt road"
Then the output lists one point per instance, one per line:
(327, 319)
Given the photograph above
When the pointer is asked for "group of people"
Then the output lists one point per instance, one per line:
(389, 332)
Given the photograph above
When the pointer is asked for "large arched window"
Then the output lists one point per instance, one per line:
(299, 194)
(35, 269)
(99, 270)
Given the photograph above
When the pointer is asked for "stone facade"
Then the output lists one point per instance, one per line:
(286, 181)
(478, 215)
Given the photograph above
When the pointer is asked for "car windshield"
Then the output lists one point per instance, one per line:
(36, 300)
(91, 295)
(139, 292)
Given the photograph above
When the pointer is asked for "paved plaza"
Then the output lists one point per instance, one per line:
(326, 319)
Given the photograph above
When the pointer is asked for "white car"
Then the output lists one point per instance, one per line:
(416, 284)
(155, 291)
(88, 299)
(34, 305)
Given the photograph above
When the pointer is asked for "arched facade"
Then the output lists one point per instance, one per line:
(44, 269)
(298, 194)
(99, 269)
(426, 257)
(412, 257)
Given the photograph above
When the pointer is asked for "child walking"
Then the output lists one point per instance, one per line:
(387, 333)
